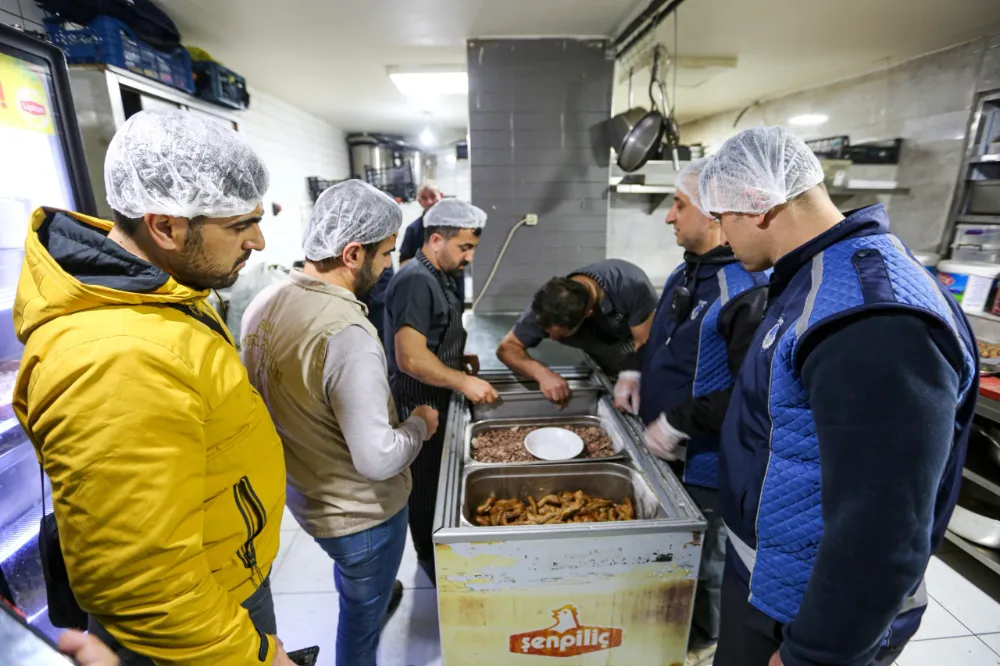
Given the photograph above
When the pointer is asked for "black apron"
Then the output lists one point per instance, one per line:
(409, 393)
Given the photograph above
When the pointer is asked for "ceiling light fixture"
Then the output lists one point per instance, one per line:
(808, 119)
(431, 83)
(427, 138)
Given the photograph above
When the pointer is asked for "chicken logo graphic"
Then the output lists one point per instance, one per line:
(566, 638)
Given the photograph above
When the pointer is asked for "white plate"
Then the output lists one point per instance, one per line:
(553, 444)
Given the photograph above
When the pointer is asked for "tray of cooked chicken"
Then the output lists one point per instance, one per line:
(559, 494)
(555, 509)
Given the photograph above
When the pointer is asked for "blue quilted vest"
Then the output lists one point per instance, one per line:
(770, 467)
(687, 359)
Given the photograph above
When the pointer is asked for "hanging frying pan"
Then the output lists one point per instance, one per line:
(637, 133)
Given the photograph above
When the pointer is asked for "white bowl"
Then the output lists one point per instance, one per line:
(553, 444)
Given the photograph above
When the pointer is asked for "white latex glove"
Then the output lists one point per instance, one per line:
(627, 391)
(664, 440)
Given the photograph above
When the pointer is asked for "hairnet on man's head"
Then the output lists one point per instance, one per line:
(454, 213)
(349, 212)
(757, 170)
(182, 165)
(687, 181)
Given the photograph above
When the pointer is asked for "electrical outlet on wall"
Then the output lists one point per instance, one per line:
(531, 219)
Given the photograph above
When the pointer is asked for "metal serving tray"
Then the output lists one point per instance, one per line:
(474, 429)
(519, 403)
(608, 480)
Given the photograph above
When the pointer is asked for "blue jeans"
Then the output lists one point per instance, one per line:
(365, 567)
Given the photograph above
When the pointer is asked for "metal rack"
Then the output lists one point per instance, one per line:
(981, 164)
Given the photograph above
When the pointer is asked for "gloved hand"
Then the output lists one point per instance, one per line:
(664, 440)
(627, 391)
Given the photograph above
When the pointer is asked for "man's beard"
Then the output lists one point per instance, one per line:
(366, 279)
(197, 270)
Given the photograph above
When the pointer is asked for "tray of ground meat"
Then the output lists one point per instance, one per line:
(498, 442)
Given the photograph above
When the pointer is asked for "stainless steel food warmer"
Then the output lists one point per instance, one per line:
(522, 594)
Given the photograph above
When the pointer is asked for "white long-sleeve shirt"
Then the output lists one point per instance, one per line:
(357, 390)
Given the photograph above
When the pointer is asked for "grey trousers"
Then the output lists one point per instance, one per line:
(260, 604)
(708, 595)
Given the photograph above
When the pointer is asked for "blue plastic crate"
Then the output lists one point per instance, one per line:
(214, 83)
(108, 41)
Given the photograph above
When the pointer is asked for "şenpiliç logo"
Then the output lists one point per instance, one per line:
(566, 638)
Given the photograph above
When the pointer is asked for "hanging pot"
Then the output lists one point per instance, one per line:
(636, 135)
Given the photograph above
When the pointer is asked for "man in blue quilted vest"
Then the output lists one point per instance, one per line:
(706, 317)
(843, 447)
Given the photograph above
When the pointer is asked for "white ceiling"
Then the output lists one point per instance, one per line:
(787, 45)
(330, 56)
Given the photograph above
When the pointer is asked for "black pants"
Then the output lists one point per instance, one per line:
(260, 604)
(426, 470)
(747, 637)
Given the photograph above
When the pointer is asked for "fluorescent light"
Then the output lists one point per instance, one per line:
(431, 83)
(808, 119)
(427, 138)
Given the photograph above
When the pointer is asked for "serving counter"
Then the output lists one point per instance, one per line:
(526, 593)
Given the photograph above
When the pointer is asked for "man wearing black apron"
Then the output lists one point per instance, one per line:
(425, 346)
(606, 309)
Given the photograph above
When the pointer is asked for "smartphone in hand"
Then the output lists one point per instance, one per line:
(306, 656)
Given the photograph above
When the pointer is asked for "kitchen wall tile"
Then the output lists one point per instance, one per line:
(11, 7)
(494, 156)
(491, 101)
(992, 641)
(484, 120)
(503, 138)
(527, 155)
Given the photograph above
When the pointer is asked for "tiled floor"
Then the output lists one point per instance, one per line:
(961, 626)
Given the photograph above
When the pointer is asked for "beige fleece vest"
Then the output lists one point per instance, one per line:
(285, 334)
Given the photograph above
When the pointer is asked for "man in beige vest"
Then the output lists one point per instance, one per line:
(314, 356)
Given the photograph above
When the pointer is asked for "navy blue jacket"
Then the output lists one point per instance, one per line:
(843, 448)
(706, 317)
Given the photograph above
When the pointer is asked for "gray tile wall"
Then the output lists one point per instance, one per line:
(926, 102)
(23, 14)
(536, 146)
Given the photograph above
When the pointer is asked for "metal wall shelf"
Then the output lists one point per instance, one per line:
(977, 139)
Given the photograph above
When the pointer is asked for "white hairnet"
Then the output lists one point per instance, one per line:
(182, 165)
(454, 213)
(687, 181)
(349, 212)
(757, 170)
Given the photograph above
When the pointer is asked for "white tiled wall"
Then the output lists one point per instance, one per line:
(926, 102)
(294, 145)
(640, 237)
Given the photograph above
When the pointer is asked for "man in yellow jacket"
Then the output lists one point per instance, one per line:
(167, 474)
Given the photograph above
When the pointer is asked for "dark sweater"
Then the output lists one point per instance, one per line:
(884, 401)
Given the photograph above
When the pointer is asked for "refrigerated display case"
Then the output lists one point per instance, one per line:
(41, 164)
(621, 591)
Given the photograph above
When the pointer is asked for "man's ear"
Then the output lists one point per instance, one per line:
(167, 232)
(353, 255)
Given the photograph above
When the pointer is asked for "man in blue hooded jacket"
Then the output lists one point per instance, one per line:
(843, 447)
(706, 317)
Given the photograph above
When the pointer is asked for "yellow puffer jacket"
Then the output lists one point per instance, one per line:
(167, 474)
